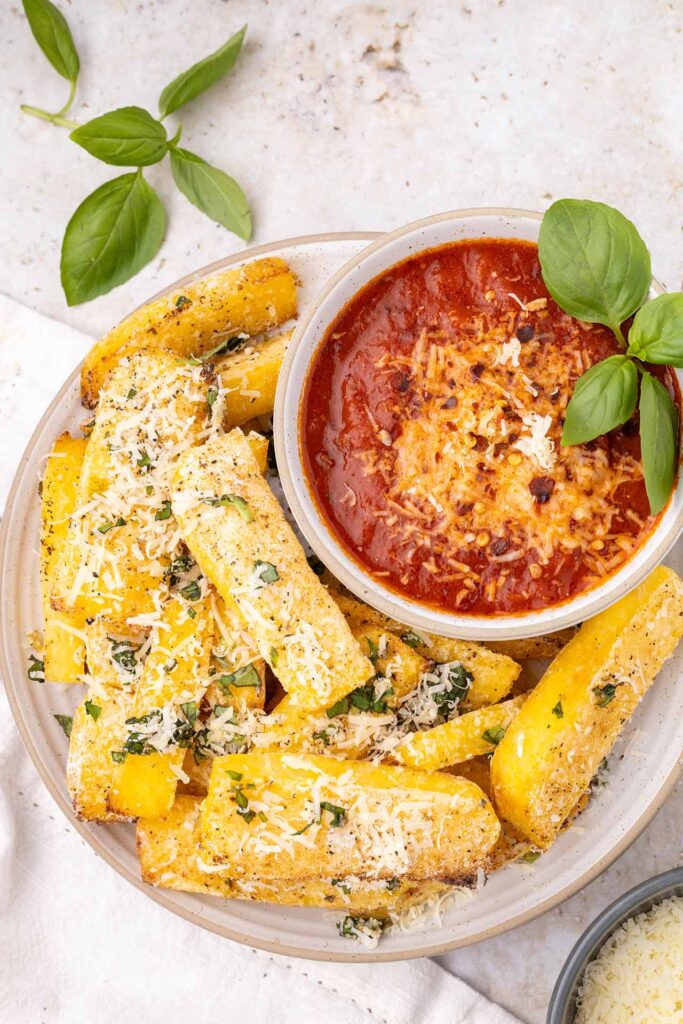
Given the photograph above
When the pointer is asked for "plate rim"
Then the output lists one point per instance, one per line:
(159, 896)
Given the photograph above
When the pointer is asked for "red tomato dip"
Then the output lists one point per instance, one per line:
(430, 431)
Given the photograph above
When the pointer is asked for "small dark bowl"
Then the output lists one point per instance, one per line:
(562, 1008)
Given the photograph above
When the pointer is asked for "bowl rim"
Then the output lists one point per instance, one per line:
(92, 835)
(306, 339)
(590, 942)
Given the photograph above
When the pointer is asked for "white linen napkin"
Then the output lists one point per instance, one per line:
(77, 943)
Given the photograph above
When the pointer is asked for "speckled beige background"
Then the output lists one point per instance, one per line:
(362, 116)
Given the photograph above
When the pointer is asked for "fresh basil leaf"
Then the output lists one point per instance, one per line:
(212, 191)
(110, 237)
(604, 398)
(656, 334)
(127, 137)
(201, 76)
(53, 36)
(594, 263)
(658, 441)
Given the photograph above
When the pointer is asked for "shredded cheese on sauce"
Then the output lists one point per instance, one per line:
(476, 462)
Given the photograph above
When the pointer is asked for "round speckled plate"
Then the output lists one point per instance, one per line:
(639, 782)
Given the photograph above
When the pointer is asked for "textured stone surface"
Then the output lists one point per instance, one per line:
(361, 116)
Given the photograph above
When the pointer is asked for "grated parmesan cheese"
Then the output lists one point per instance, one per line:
(637, 977)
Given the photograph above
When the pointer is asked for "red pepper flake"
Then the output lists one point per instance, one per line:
(542, 488)
(525, 333)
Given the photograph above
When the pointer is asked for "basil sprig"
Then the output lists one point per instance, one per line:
(597, 268)
(119, 228)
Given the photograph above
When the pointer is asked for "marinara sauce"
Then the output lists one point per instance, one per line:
(431, 426)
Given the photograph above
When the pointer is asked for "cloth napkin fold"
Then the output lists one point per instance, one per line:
(77, 943)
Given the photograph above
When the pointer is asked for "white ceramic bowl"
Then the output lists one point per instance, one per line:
(354, 275)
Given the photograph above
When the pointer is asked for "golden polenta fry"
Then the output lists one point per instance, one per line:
(235, 528)
(465, 737)
(174, 678)
(570, 721)
(250, 378)
(281, 815)
(171, 859)
(190, 322)
(63, 645)
(492, 674)
(97, 727)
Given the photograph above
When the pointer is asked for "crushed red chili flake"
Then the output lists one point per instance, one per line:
(542, 488)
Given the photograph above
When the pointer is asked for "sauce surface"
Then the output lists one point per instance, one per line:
(430, 433)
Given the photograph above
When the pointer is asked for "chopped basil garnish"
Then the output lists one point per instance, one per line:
(340, 708)
(266, 572)
(109, 525)
(228, 345)
(338, 813)
(118, 756)
(211, 396)
(351, 926)
(177, 568)
(392, 884)
(124, 653)
(171, 666)
(532, 856)
(234, 501)
(412, 639)
(131, 394)
(274, 657)
(243, 805)
(234, 775)
(94, 710)
(164, 512)
(246, 676)
(494, 735)
(192, 613)
(182, 302)
(322, 735)
(459, 680)
(558, 710)
(363, 698)
(192, 592)
(605, 694)
(373, 651)
(144, 462)
(36, 669)
(66, 722)
(341, 884)
(190, 710)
